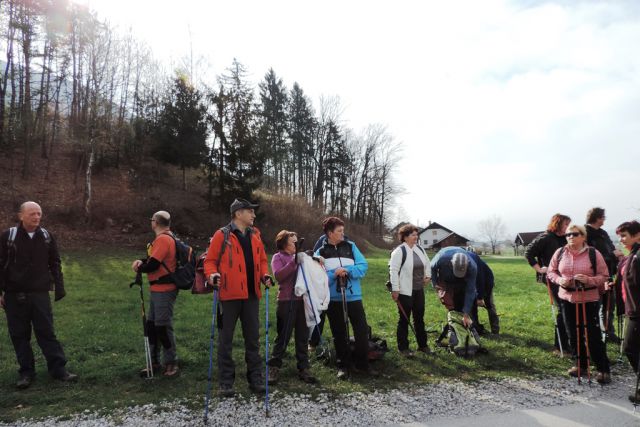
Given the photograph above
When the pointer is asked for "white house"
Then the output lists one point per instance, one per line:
(435, 236)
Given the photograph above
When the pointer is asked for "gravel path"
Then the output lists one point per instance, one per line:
(421, 403)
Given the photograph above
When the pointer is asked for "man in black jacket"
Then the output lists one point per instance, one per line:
(30, 260)
(598, 238)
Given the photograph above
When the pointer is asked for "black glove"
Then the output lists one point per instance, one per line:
(59, 293)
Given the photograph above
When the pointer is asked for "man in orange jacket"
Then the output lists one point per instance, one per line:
(236, 263)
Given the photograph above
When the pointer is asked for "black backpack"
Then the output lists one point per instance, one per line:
(185, 273)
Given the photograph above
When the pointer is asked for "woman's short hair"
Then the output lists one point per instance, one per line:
(330, 224)
(631, 227)
(405, 231)
(555, 225)
(594, 214)
(578, 227)
(282, 238)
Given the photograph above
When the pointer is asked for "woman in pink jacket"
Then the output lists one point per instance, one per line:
(581, 272)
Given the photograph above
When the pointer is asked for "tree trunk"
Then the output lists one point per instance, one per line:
(88, 191)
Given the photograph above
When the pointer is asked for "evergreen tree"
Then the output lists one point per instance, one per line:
(182, 128)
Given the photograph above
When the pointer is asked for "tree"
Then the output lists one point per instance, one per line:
(182, 128)
(493, 229)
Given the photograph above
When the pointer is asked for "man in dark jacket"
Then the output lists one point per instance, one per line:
(539, 254)
(484, 297)
(30, 260)
(598, 238)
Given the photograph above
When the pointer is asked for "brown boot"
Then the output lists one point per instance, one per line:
(306, 376)
(274, 375)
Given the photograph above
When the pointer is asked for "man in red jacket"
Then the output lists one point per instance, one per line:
(236, 263)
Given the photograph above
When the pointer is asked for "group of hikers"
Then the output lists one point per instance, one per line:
(588, 279)
(577, 263)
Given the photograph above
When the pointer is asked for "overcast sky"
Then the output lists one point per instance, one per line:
(515, 108)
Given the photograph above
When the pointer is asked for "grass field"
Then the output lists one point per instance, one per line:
(99, 326)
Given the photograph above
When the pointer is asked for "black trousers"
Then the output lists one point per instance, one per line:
(596, 346)
(412, 305)
(490, 306)
(247, 311)
(290, 315)
(631, 345)
(358, 324)
(27, 310)
(563, 327)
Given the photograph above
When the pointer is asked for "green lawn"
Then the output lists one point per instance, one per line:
(99, 325)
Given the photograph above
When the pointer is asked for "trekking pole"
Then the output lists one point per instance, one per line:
(555, 317)
(214, 306)
(266, 352)
(585, 331)
(147, 348)
(578, 342)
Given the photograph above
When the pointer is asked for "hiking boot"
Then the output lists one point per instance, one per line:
(257, 387)
(426, 350)
(67, 377)
(274, 373)
(156, 370)
(407, 353)
(170, 370)
(226, 390)
(343, 374)
(24, 381)
(603, 377)
(306, 376)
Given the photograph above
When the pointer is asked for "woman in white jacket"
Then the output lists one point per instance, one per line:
(409, 273)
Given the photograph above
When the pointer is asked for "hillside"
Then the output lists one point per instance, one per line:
(124, 199)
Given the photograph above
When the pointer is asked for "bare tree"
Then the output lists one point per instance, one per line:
(493, 229)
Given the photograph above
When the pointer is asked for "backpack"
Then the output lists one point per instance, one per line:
(377, 346)
(11, 243)
(200, 283)
(185, 273)
(592, 257)
(404, 258)
(461, 341)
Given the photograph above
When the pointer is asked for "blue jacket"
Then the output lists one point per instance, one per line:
(347, 255)
(442, 271)
(484, 279)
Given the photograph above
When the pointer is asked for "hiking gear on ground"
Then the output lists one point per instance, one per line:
(463, 341)
(305, 376)
(224, 390)
(185, 273)
(554, 316)
(25, 380)
(266, 346)
(603, 378)
(145, 326)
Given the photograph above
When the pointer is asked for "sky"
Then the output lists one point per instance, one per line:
(519, 109)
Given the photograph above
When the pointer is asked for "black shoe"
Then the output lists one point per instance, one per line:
(24, 381)
(257, 387)
(226, 390)
(68, 377)
(634, 398)
(306, 376)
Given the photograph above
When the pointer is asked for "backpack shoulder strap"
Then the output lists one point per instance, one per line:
(560, 254)
(45, 233)
(13, 231)
(592, 259)
(421, 250)
(226, 231)
(404, 258)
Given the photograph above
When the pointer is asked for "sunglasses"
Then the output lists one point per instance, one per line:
(574, 234)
